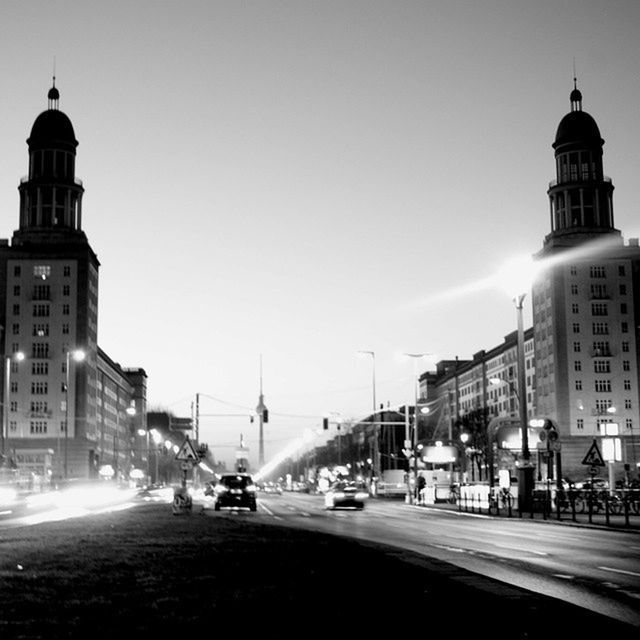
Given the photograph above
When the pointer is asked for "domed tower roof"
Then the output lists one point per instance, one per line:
(52, 128)
(577, 127)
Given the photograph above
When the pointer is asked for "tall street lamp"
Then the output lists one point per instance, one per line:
(15, 357)
(376, 426)
(77, 355)
(414, 433)
(525, 469)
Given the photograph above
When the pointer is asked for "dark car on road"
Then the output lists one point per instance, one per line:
(235, 490)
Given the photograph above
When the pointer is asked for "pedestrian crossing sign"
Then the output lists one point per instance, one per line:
(187, 451)
(594, 457)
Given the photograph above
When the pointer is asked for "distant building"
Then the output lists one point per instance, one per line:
(62, 416)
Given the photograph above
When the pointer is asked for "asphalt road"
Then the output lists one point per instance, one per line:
(140, 571)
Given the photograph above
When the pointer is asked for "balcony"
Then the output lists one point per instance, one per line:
(601, 353)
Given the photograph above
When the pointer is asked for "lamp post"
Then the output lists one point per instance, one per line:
(376, 426)
(16, 357)
(414, 433)
(525, 469)
(77, 355)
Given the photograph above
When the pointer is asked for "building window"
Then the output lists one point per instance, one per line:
(625, 347)
(599, 291)
(627, 403)
(40, 310)
(576, 327)
(63, 426)
(623, 289)
(576, 347)
(577, 365)
(602, 366)
(573, 270)
(16, 290)
(13, 426)
(602, 406)
(578, 385)
(603, 386)
(597, 272)
(66, 271)
(39, 388)
(600, 328)
(601, 348)
(65, 328)
(39, 368)
(599, 309)
(624, 327)
(621, 270)
(40, 330)
(16, 329)
(65, 309)
(40, 350)
(16, 271)
(38, 426)
(627, 385)
(13, 406)
(575, 308)
(623, 307)
(629, 423)
(66, 290)
(580, 424)
(42, 271)
(42, 292)
(626, 365)
(39, 406)
(16, 309)
(574, 289)
(14, 387)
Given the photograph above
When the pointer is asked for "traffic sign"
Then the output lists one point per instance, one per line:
(594, 457)
(187, 451)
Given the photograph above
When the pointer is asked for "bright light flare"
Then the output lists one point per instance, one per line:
(295, 445)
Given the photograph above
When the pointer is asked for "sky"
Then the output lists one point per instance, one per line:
(292, 182)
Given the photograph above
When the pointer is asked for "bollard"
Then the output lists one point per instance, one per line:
(182, 502)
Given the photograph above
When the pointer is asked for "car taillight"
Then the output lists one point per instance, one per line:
(222, 489)
(251, 487)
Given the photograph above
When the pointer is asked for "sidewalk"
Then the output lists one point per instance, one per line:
(146, 572)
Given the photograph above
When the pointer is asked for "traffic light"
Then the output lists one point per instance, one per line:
(265, 415)
(325, 423)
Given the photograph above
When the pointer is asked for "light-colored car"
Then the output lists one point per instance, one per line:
(346, 494)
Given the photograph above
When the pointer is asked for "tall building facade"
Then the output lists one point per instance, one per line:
(49, 314)
(586, 305)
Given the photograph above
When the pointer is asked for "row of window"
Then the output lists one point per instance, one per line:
(42, 271)
(42, 310)
(601, 327)
(37, 426)
(601, 423)
(39, 330)
(598, 271)
(599, 308)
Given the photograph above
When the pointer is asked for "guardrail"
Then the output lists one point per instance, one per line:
(620, 508)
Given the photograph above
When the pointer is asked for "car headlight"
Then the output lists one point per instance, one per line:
(339, 495)
(362, 496)
(251, 488)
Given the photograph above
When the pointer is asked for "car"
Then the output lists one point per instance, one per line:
(272, 487)
(235, 490)
(346, 494)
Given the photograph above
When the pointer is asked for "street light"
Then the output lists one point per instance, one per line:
(15, 357)
(414, 435)
(77, 355)
(525, 470)
(376, 427)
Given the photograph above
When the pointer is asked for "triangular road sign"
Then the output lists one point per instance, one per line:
(594, 457)
(187, 451)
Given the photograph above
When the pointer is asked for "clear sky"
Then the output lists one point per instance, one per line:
(300, 180)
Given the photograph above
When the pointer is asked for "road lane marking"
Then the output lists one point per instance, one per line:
(627, 573)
